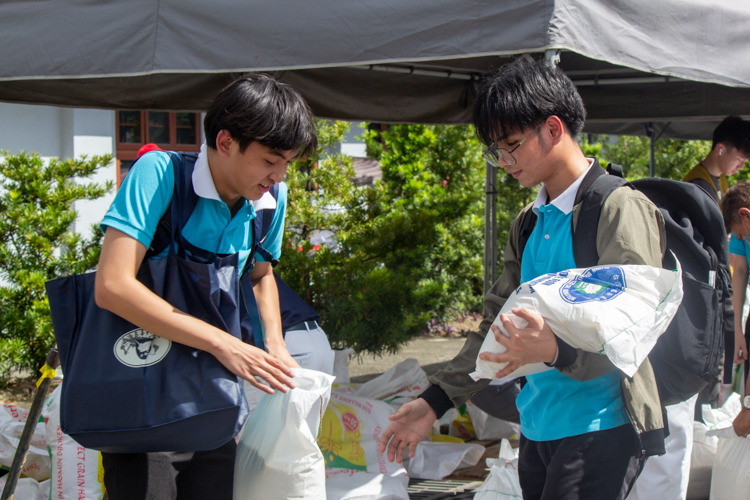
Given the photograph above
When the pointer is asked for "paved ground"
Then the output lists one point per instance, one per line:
(432, 354)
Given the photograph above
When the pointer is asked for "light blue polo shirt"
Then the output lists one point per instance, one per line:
(147, 190)
(739, 247)
(552, 405)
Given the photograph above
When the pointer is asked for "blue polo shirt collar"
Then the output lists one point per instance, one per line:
(203, 182)
(204, 186)
(566, 200)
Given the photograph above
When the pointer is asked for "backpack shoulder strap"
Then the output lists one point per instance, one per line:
(595, 188)
(261, 226)
(182, 165)
(527, 227)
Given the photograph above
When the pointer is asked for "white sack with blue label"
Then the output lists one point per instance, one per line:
(616, 311)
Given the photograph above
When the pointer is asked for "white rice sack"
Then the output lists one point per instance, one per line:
(12, 422)
(618, 311)
(28, 488)
(277, 457)
(355, 468)
(438, 460)
(77, 472)
(402, 383)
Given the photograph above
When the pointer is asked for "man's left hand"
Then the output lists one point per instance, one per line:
(741, 423)
(534, 344)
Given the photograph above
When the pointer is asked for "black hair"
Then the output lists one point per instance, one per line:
(521, 95)
(738, 196)
(733, 132)
(258, 108)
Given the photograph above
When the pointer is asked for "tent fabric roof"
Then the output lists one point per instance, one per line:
(380, 60)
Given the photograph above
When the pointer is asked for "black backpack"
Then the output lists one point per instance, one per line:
(688, 355)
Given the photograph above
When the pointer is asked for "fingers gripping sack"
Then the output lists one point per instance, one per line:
(617, 311)
(277, 457)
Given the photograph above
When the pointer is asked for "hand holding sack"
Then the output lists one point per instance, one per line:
(618, 311)
(277, 457)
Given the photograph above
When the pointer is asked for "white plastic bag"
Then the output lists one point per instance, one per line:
(77, 472)
(276, 456)
(355, 469)
(701, 461)
(438, 460)
(730, 478)
(12, 422)
(28, 488)
(502, 483)
(489, 427)
(731, 475)
(341, 365)
(400, 384)
(721, 418)
(618, 311)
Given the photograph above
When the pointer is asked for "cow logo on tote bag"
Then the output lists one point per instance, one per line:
(139, 348)
(600, 284)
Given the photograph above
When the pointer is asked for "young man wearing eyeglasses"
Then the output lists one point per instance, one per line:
(586, 427)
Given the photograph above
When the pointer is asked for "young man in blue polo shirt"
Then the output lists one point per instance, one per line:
(586, 428)
(253, 129)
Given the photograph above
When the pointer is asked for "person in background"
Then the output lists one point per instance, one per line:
(147, 148)
(667, 476)
(736, 211)
(730, 150)
(305, 340)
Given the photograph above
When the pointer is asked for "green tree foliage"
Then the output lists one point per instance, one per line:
(406, 250)
(673, 158)
(37, 244)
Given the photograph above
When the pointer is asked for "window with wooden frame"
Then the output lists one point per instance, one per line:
(170, 131)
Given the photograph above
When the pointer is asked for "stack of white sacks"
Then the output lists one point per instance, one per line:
(56, 467)
(322, 442)
(328, 439)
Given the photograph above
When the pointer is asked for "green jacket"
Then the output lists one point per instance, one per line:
(631, 231)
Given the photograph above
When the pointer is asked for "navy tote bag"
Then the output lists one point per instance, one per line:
(128, 391)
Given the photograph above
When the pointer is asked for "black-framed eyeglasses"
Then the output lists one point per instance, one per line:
(494, 153)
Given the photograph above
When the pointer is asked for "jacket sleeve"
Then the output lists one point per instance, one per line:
(452, 386)
(631, 231)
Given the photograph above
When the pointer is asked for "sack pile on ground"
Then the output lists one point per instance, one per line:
(316, 441)
(56, 467)
(618, 311)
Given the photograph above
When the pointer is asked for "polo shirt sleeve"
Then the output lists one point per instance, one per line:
(276, 231)
(143, 198)
(737, 247)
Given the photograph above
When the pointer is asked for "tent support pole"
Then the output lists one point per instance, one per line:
(651, 133)
(490, 228)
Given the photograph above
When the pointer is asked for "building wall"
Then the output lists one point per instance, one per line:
(93, 134)
(31, 128)
(64, 133)
(71, 133)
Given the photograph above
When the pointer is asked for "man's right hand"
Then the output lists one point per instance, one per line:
(249, 362)
(409, 425)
